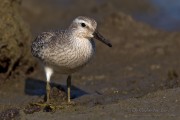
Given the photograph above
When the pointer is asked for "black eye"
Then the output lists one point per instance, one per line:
(83, 24)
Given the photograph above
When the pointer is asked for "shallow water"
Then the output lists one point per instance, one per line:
(166, 17)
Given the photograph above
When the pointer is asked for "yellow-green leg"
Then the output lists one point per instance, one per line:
(48, 89)
(69, 88)
(48, 72)
(47, 106)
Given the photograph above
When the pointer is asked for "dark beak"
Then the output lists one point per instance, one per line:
(99, 37)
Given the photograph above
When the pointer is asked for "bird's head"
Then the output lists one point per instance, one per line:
(85, 27)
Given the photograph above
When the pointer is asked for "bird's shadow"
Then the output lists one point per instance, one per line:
(38, 87)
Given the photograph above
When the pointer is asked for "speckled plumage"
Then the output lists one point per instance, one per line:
(61, 49)
(67, 50)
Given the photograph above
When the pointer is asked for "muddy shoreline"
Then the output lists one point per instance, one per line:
(137, 79)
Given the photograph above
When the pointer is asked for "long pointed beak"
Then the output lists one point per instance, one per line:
(99, 37)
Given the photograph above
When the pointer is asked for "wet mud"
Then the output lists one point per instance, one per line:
(138, 78)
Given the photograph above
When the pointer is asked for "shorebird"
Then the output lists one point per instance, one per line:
(67, 50)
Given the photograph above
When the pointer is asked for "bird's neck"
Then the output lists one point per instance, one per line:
(78, 40)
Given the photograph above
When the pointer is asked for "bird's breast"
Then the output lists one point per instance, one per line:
(71, 57)
(81, 53)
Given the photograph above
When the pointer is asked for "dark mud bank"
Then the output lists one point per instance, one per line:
(15, 38)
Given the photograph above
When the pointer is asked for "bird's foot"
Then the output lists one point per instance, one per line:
(71, 103)
(48, 107)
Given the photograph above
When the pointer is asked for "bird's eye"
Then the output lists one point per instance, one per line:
(83, 24)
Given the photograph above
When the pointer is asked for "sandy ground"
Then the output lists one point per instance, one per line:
(138, 78)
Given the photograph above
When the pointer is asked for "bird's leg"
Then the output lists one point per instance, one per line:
(47, 106)
(69, 88)
(48, 89)
(48, 72)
